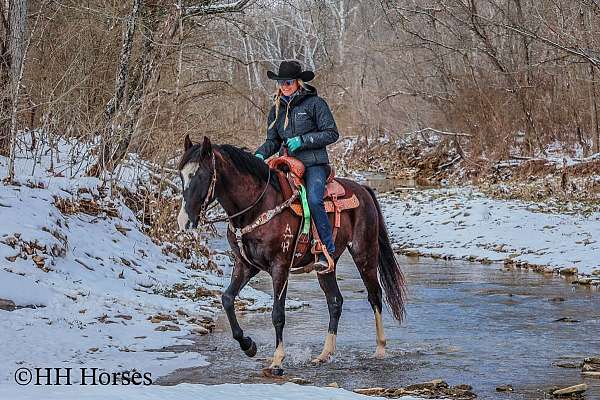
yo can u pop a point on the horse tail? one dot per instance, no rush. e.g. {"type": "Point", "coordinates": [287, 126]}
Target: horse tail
{"type": "Point", "coordinates": [390, 274]}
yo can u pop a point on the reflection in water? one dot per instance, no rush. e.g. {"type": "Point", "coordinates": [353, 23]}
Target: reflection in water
{"type": "Point", "coordinates": [466, 323]}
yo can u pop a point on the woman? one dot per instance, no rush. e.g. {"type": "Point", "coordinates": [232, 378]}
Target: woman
{"type": "Point", "coordinates": [302, 121]}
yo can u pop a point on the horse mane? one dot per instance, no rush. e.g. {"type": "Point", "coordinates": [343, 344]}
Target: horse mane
{"type": "Point", "coordinates": [242, 159]}
{"type": "Point", "coordinates": [249, 163]}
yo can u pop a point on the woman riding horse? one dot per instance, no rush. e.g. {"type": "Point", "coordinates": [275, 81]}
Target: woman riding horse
{"type": "Point", "coordinates": [262, 223]}
{"type": "Point", "coordinates": [306, 127]}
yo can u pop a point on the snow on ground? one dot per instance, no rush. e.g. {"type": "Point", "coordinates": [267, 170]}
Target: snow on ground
{"type": "Point", "coordinates": [463, 223]}
{"type": "Point", "coordinates": [287, 391]}
{"type": "Point", "coordinates": [85, 285]}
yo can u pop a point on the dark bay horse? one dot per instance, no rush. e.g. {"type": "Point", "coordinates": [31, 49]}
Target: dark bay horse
{"type": "Point", "coordinates": [246, 188]}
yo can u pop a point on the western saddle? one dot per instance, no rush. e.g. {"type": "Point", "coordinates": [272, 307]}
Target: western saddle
{"type": "Point", "coordinates": [337, 198]}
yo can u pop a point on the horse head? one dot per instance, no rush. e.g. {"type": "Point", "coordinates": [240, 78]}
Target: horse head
{"type": "Point", "coordinates": [198, 175]}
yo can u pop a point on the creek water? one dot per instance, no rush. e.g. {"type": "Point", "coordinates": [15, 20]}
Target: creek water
{"type": "Point", "coordinates": [482, 325]}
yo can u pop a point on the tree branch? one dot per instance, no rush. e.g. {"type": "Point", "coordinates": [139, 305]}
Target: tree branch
{"type": "Point", "coordinates": [413, 94]}
{"type": "Point", "coordinates": [455, 134]}
{"type": "Point", "coordinates": [208, 9]}
{"type": "Point", "coordinates": [527, 33]}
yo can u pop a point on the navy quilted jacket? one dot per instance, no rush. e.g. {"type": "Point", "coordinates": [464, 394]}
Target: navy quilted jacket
{"type": "Point", "coordinates": [310, 118]}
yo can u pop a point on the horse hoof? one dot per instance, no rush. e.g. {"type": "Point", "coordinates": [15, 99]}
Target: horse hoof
{"type": "Point", "coordinates": [319, 361]}
{"type": "Point", "coordinates": [379, 355]}
{"type": "Point", "coordinates": [277, 371]}
{"type": "Point", "coordinates": [251, 352]}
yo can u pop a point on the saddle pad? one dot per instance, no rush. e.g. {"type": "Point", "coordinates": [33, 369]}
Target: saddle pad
{"type": "Point", "coordinates": [342, 204]}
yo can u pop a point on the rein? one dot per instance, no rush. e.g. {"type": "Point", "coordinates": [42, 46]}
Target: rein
{"type": "Point", "coordinates": [211, 191]}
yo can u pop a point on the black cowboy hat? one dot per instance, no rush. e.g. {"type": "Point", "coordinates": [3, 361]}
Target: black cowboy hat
{"type": "Point", "coordinates": [291, 70]}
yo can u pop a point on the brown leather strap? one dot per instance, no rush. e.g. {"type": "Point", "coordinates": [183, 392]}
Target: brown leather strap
{"type": "Point", "coordinates": [285, 185]}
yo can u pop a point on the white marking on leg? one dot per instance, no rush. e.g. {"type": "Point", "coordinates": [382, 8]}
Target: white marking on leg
{"type": "Point", "coordinates": [328, 349]}
{"type": "Point", "coordinates": [278, 356]}
{"type": "Point", "coordinates": [380, 351]}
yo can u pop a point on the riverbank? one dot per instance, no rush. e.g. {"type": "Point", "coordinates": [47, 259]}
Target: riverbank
{"type": "Point", "coordinates": [560, 175]}
{"type": "Point", "coordinates": [465, 224]}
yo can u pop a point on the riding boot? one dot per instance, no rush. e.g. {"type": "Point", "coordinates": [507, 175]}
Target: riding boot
{"type": "Point", "coordinates": [321, 264]}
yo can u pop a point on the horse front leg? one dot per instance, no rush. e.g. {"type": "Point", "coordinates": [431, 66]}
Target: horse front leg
{"type": "Point", "coordinates": [280, 278]}
{"type": "Point", "coordinates": [242, 273]}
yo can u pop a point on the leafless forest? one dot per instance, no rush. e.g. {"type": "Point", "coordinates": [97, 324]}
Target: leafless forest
{"type": "Point", "coordinates": [138, 75]}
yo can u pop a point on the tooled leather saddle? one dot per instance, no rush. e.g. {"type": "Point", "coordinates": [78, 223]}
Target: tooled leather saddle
{"type": "Point", "coordinates": [337, 198]}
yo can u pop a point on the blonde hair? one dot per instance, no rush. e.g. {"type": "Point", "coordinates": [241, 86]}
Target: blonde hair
{"type": "Point", "coordinates": [277, 103]}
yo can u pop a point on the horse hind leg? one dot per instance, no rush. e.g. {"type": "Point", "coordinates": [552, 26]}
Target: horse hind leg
{"type": "Point", "coordinates": [335, 301]}
{"type": "Point", "coordinates": [367, 267]}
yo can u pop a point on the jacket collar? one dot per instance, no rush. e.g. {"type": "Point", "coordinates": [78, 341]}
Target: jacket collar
{"type": "Point", "coordinates": [300, 95]}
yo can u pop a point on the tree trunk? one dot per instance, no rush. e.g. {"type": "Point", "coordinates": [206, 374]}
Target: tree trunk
{"type": "Point", "coordinates": [14, 19]}
{"type": "Point", "coordinates": [114, 133]}
{"type": "Point", "coordinates": [125, 109]}
{"type": "Point", "coordinates": [18, 49]}
{"type": "Point", "coordinates": [594, 113]}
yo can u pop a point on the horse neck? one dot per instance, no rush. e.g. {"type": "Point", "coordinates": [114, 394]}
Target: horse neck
{"type": "Point", "coordinates": [235, 191]}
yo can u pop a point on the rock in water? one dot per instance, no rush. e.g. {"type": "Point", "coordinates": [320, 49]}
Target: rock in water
{"type": "Point", "coordinates": [567, 364]}
{"type": "Point", "coordinates": [504, 388]}
{"type": "Point", "coordinates": [569, 271]}
{"type": "Point", "coordinates": [591, 364]}
{"type": "Point", "coordinates": [7, 305]}
{"type": "Point", "coordinates": [571, 390]}
{"type": "Point", "coordinates": [463, 386]}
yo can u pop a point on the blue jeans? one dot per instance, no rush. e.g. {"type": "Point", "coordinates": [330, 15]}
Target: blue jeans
{"type": "Point", "coordinates": [315, 178]}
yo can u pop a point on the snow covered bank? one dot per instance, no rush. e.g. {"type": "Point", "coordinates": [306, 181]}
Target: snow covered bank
{"type": "Point", "coordinates": [85, 285]}
{"type": "Point", "coordinates": [288, 391]}
{"type": "Point", "coordinates": [465, 224]}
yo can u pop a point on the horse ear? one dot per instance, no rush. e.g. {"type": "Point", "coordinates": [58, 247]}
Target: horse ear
{"type": "Point", "coordinates": [206, 147]}
{"type": "Point", "coordinates": [187, 143]}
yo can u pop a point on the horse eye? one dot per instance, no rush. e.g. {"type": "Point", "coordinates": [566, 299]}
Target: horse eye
{"type": "Point", "coordinates": [190, 176]}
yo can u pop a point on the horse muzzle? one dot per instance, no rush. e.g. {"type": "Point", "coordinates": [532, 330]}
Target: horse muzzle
{"type": "Point", "coordinates": [191, 225]}
{"type": "Point", "coordinates": [185, 222]}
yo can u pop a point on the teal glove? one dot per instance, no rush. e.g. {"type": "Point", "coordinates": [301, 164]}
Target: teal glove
{"type": "Point", "coordinates": [294, 143]}
{"type": "Point", "coordinates": [258, 155]}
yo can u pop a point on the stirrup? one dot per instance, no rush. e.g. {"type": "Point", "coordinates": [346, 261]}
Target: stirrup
{"type": "Point", "coordinates": [320, 265]}
{"type": "Point", "coordinates": [330, 263]}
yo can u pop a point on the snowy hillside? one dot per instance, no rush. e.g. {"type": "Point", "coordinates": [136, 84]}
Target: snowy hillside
{"type": "Point", "coordinates": [81, 284]}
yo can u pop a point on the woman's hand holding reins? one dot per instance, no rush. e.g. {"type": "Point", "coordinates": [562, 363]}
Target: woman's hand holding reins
{"type": "Point", "coordinates": [294, 143]}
